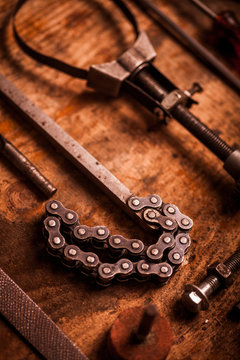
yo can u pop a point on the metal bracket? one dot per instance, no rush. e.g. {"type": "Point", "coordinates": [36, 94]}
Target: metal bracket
{"type": "Point", "coordinates": [108, 77]}
{"type": "Point", "coordinates": [173, 99]}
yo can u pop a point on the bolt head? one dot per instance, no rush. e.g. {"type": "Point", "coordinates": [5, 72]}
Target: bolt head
{"type": "Point", "coordinates": [194, 300]}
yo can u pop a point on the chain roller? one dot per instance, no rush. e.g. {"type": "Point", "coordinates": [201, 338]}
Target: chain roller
{"type": "Point", "coordinates": [71, 241]}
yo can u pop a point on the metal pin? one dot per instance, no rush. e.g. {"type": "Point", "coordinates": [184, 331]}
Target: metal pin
{"type": "Point", "coordinates": [52, 223]}
{"type": "Point", "coordinates": [167, 240]}
{"type": "Point", "coordinates": [135, 202]}
{"type": "Point", "coordinates": [56, 240]}
{"type": "Point", "coordinates": [135, 245]}
{"type": "Point", "coordinates": [154, 251]}
{"type": "Point", "coordinates": [117, 241]}
{"type": "Point", "coordinates": [26, 167]}
{"type": "Point", "coordinates": [69, 216]}
{"type": "Point", "coordinates": [72, 252]}
{"type": "Point", "coordinates": [169, 222]}
{"type": "Point", "coordinates": [145, 266]}
{"type": "Point", "coordinates": [101, 231]}
{"type": "Point", "coordinates": [90, 259]}
{"type": "Point", "coordinates": [81, 231]}
{"type": "Point", "coordinates": [171, 210]}
{"type": "Point", "coordinates": [146, 323]}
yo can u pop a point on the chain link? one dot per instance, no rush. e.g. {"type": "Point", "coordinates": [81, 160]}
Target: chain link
{"type": "Point", "coordinates": [71, 241]}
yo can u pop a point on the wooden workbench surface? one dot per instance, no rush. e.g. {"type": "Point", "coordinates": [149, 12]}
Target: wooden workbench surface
{"type": "Point", "coordinates": [167, 161]}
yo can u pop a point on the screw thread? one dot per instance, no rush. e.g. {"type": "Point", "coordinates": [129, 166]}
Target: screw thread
{"type": "Point", "coordinates": [202, 132]}
{"type": "Point", "coordinates": [213, 281]}
{"type": "Point", "coordinates": [233, 262]}
{"type": "Point", "coordinates": [209, 285]}
{"type": "Point", "coordinates": [184, 117]}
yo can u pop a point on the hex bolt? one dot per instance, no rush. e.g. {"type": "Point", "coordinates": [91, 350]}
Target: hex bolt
{"type": "Point", "coordinates": [196, 298]}
{"type": "Point", "coordinates": [223, 151]}
{"type": "Point", "coordinates": [146, 323]}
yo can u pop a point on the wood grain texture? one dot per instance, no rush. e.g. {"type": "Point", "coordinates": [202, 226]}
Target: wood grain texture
{"type": "Point", "coordinates": [167, 161]}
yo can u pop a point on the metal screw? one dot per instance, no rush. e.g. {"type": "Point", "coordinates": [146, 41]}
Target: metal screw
{"type": "Point", "coordinates": [196, 298]}
{"type": "Point", "coordinates": [146, 323]}
{"type": "Point", "coordinates": [196, 87]}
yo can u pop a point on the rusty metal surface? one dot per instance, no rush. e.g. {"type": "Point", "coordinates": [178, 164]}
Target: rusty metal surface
{"type": "Point", "coordinates": [115, 131]}
{"type": "Point", "coordinates": [121, 342]}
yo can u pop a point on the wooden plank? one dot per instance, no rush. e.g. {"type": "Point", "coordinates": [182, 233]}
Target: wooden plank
{"type": "Point", "coordinates": [167, 161]}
